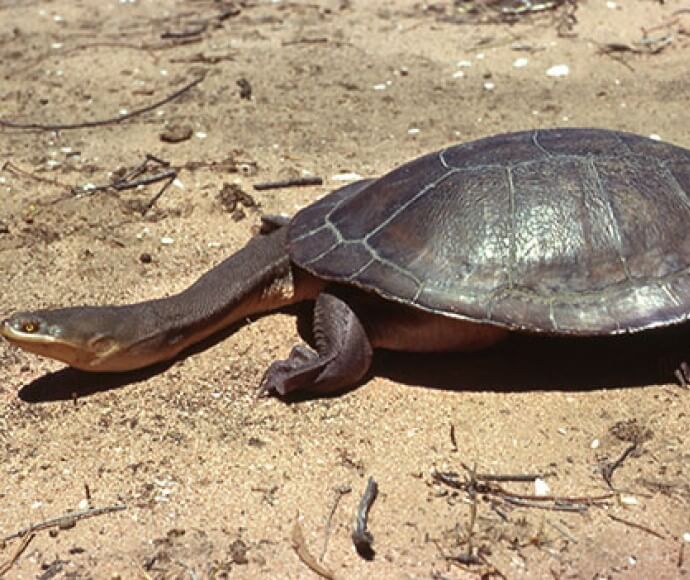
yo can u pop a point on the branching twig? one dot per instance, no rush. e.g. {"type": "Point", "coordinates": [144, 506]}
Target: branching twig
{"type": "Point", "coordinates": [111, 120]}
{"type": "Point", "coordinates": [608, 468]}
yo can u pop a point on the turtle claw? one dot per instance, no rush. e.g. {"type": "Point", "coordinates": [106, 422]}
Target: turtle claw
{"type": "Point", "coordinates": [682, 374]}
{"type": "Point", "coordinates": [296, 372]}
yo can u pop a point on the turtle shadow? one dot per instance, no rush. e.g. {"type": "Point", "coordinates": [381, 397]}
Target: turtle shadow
{"type": "Point", "coordinates": [70, 383]}
{"type": "Point", "coordinates": [537, 363]}
{"type": "Point", "coordinates": [521, 363]}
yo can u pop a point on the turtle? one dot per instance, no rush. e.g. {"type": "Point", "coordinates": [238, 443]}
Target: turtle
{"type": "Point", "coordinates": [564, 232]}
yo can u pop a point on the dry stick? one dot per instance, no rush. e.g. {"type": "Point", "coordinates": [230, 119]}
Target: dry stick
{"type": "Point", "coordinates": [608, 468]}
{"type": "Point", "coordinates": [555, 507]}
{"type": "Point", "coordinates": [12, 168]}
{"type": "Point", "coordinates": [295, 182]}
{"type": "Point", "coordinates": [66, 521]}
{"type": "Point", "coordinates": [502, 477]}
{"type": "Point", "coordinates": [340, 491]}
{"type": "Point", "coordinates": [361, 537]}
{"type": "Point", "coordinates": [636, 525]}
{"type": "Point", "coordinates": [118, 119]}
{"type": "Point", "coordinates": [300, 547]}
{"type": "Point", "coordinates": [469, 557]}
{"type": "Point", "coordinates": [5, 568]}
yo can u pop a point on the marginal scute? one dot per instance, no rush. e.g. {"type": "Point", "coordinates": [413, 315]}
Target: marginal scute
{"type": "Point", "coordinates": [567, 231]}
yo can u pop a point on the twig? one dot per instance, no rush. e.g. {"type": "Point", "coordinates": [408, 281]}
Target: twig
{"type": "Point", "coordinates": [502, 477]}
{"type": "Point", "coordinates": [453, 440]}
{"type": "Point", "coordinates": [111, 120]}
{"type": "Point", "coordinates": [5, 568]}
{"type": "Point", "coordinates": [637, 526]}
{"type": "Point", "coordinates": [556, 506]}
{"type": "Point", "coordinates": [361, 536]}
{"type": "Point", "coordinates": [565, 533]}
{"type": "Point", "coordinates": [608, 468]}
{"type": "Point", "coordinates": [12, 168]}
{"type": "Point", "coordinates": [66, 521]}
{"type": "Point", "coordinates": [340, 491]}
{"type": "Point", "coordinates": [295, 182]}
{"type": "Point", "coordinates": [303, 553]}
{"type": "Point", "coordinates": [200, 29]}
{"type": "Point", "coordinates": [129, 181]}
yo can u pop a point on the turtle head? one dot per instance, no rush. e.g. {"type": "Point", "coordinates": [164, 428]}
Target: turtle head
{"type": "Point", "coordinates": [87, 338]}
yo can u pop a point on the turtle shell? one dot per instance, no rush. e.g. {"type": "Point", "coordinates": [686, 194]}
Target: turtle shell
{"type": "Point", "coordinates": [566, 231]}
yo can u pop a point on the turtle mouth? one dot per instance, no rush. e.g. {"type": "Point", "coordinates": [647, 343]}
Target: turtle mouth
{"type": "Point", "coordinates": [37, 340]}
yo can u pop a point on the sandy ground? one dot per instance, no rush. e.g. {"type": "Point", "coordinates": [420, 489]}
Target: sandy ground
{"type": "Point", "coordinates": [213, 479]}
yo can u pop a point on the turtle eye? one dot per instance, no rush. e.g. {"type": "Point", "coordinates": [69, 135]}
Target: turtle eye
{"type": "Point", "coordinates": [29, 326]}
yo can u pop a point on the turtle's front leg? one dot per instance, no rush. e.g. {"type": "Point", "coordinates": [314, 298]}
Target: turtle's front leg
{"type": "Point", "coordinates": [342, 358]}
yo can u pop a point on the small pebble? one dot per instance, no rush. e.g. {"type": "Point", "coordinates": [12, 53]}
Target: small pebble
{"type": "Point", "coordinates": [123, 111]}
{"type": "Point", "coordinates": [413, 131]}
{"type": "Point", "coordinates": [541, 488]}
{"type": "Point", "coordinates": [166, 241]}
{"type": "Point", "coordinates": [558, 70]}
{"type": "Point", "coordinates": [84, 504]}
{"type": "Point", "coordinates": [686, 537]}
{"type": "Point", "coordinates": [489, 86]}
{"type": "Point", "coordinates": [629, 500]}
{"type": "Point", "coordinates": [458, 74]}
{"type": "Point", "coordinates": [464, 63]}
{"type": "Point", "coordinates": [346, 176]}
{"type": "Point", "coordinates": [200, 135]}
{"type": "Point", "coordinates": [655, 137]}
{"type": "Point", "coordinates": [520, 62]}
{"type": "Point", "coordinates": [595, 444]}
{"type": "Point", "coordinates": [145, 258]}
{"type": "Point", "coordinates": [380, 87]}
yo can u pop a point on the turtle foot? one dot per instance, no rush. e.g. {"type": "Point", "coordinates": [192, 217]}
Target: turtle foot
{"type": "Point", "coordinates": [299, 371]}
{"type": "Point", "coordinates": [682, 374]}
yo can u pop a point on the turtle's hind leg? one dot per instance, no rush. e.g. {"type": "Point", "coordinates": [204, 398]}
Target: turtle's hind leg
{"type": "Point", "coordinates": [342, 357]}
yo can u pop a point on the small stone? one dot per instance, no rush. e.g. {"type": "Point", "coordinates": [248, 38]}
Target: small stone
{"type": "Point", "coordinates": [176, 134]}
{"type": "Point", "coordinates": [520, 62]}
{"type": "Point", "coordinates": [167, 241]}
{"type": "Point", "coordinates": [145, 258]}
{"type": "Point", "coordinates": [595, 444]}
{"type": "Point", "coordinates": [238, 552]}
{"type": "Point", "coordinates": [558, 70]}
{"type": "Point", "coordinates": [686, 537]}
{"type": "Point", "coordinates": [349, 176]}
{"type": "Point", "coordinates": [541, 488]}
{"type": "Point", "coordinates": [629, 500]}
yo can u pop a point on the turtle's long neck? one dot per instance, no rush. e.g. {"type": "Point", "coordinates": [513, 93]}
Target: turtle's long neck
{"type": "Point", "coordinates": [258, 278]}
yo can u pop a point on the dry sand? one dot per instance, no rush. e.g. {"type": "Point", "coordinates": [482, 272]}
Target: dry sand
{"type": "Point", "coordinates": [214, 479]}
